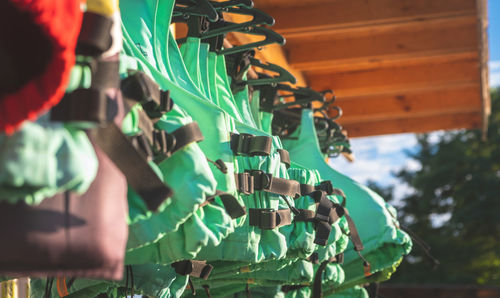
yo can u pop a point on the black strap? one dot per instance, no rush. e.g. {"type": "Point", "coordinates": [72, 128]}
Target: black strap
{"type": "Point", "coordinates": [268, 219]}
{"type": "Point", "coordinates": [90, 105]}
{"type": "Point", "coordinates": [140, 88]}
{"type": "Point", "coordinates": [252, 180]}
{"type": "Point", "coordinates": [325, 186]}
{"type": "Point", "coordinates": [314, 258]}
{"type": "Point", "coordinates": [285, 157]}
{"type": "Point", "coordinates": [105, 74]}
{"type": "Point", "coordinates": [317, 290]}
{"type": "Point", "coordinates": [305, 215]}
{"type": "Point", "coordinates": [231, 204]}
{"type": "Point", "coordinates": [248, 144]}
{"type": "Point", "coordinates": [95, 34]}
{"type": "Point", "coordinates": [132, 164]}
{"type": "Point", "coordinates": [193, 268]}
{"type": "Point", "coordinates": [162, 144]}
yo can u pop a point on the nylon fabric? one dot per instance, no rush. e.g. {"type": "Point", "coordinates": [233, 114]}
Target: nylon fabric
{"type": "Point", "coordinates": [384, 243]}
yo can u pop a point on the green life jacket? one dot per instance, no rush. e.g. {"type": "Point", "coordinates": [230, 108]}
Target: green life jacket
{"type": "Point", "coordinates": [260, 201]}
{"type": "Point", "coordinates": [44, 158]}
{"type": "Point", "coordinates": [384, 243]}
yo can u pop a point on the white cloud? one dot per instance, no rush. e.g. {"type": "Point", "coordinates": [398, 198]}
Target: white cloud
{"type": "Point", "coordinates": [495, 78]}
{"type": "Point", "coordinates": [494, 65]}
{"type": "Point", "coordinates": [377, 158]}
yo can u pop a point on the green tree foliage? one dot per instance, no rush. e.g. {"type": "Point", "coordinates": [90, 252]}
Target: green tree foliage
{"type": "Point", "coordinates": [455, 206]}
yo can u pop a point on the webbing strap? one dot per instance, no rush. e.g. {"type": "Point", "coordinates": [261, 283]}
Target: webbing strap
{"type": "Point", "coordinates": [305, 215]}
{"type": "Point", "coordinates": [317, 290]}
{"type": "Point", "coordinates": [105, 74]}
{"type": "Point", "coordinates": [268, 219]}
{"type": "Point", "coordinates": [248, 144]}
{"type": "Point", "coordinates": [95, 34]}
{"type": "Point", "coordinates": [140, 176]}
{"type": "Point", "coordinates": [231, 204]}
{"type": "Point", "coordinates": [285, 157]}
{"type": "Point", "coordinates": [140, 88]}
{"type": "Point", "coordinates": [90, 105]}
{"type": "Point", "coordinates": [161, 144]}
{"type": "Point", "coordinates": [193, 268]}
{"type": "Point", "coordinates": [253, 180]}
{"type": "Point", "coordinates": [325, 186]}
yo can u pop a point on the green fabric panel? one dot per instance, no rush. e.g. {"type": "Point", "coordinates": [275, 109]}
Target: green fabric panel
{"type": "Point", "coordinates": [190, 52]}
{"type": "Point", "coordinates": [242, 100]}
{"type": "Point", "coordinates": [255, 109]}
{"type": "Point", "coordinates": [44, 158]}
{"type": "Point", "coordinates": [206, 227]}
{"type": "Point", "coordinates": [266, 120]}
{"type": "Point", "coordinates": [203, 67]}
{"type": "Point", "coordinates": [375, 225]}
{"type": "Point", "coordinates": [212, 69]}
{"type": "Point", "coordinates": [225, 96]}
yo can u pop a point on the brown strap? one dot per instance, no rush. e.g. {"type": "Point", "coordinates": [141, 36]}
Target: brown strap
{"type": "Point", "coordinates": [268, 219]}
{"type": "Point", "coordinates": [95, 34]}
{"type": "Point", "coordinates": [131, 162]}
{"type": "Point", "coordinates": [305, 215]}
{"type": "Point", "coordinates": [140, 88]}
{"type": "Point", "coordinates": [161, 143]}
{"type": "Point", "coordinates": [193, 268]}
{"type": "Point", "coordinates": [90, 105]}
{"type": "Point", "coordinates": [253, 180]}
{"type": "Point", "coordinates": [284, 157]}
{"type": "Point", "coordinates": [325, 186]}
{"type": "Point", "coordinates": [231, 204]}
{"type": "Point", "coordinates": [317, 291]}
{"type": "Point", "coordinates": [248, 144]}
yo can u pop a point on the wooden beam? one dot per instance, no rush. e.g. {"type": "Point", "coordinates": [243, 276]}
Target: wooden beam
{"type": "Point", "coordinates": [467, 120]}
{"type": "Point", "coordinates": [418, 41]}
{"type": "Point", "coordinates": [329, 15]}
{"type": "Point", "coordinates": [418, 103]}
{"type": "Point", "coordinates": [483, 61]}
{"type": "Point", "coordinates": [398, 79]}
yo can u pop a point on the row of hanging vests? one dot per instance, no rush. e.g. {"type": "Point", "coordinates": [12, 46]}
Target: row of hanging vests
{"type": "Point", "coordinates": [165, 170]}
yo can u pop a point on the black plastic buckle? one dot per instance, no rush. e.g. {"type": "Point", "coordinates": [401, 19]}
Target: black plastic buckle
{"type": "Point", "coordinates": [326, 186]}
{"type": "Point", "coordinates": [265, 218]}
{"type": "Point", "coordinates": [240, 143]}
{"type": "Point", "coordinates": [261, 180]}
{"type": "Point", "coordinates": [163, 142]}
{"type": "Point", "coordinates": [140, 142]}
{"type": "Point", "coordinates": [245, 183]}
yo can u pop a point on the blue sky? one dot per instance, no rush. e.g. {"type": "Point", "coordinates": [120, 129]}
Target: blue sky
{"type": "Point", "coordinates": [378, 157]}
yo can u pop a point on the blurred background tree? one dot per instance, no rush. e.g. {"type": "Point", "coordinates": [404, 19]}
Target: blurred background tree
{"type": "Point", "coordinates": [455, 206]}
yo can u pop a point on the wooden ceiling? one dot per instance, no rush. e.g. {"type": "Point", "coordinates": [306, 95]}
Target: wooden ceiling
{"type": "Point", "coordinates": [396, 66]}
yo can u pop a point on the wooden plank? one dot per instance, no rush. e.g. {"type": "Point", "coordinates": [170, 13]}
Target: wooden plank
{"type": "Point", "coordinates": [308, 17]}
{"type": "Point", "coordinates": [419, 103]}
{"type": "Point", "coordinates": [398, 79]}
{"type": "Point", "coordinates": [467, 120]}
{"type": "Point", "coordinates": [483, 60]}
{"type": "Point", "coordinates": [419, 40]}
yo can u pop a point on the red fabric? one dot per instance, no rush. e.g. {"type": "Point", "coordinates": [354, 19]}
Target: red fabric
{"type": "Point", "coordinates": [60, 20]}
